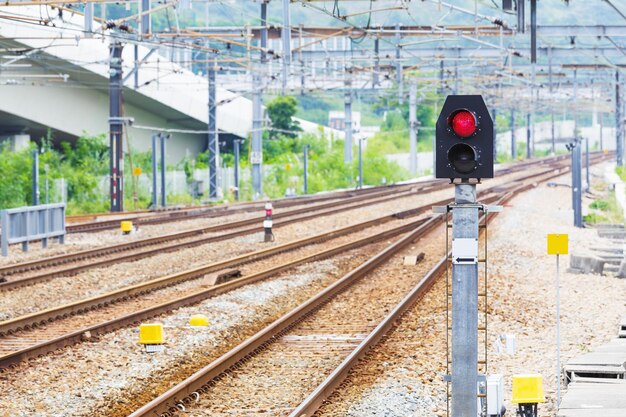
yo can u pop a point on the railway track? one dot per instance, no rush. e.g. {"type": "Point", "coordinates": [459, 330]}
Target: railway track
{"type": "Point", "coordinates": [291, 356]}
{"type": "Point", "coordinates": [76, 224]}
{"type": "Point", "coordinates": [126, 252]}
{"type": "Point", "coordinates": [313, 347]}
{"type": "Point", "coordinates": [31, 335]}
{"type": "Point", "coordinates": [39, 333]}
{"type": "Point", "coordinates": [158, 217]}
{"type": "Point", "coordinates": [51, 267]}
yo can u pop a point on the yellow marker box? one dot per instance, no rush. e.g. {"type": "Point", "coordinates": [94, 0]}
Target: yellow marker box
{"type": "Point", "coordinates": [557, 244]}
{"type": "Point", "coordinates": [126, 226]}
{"type": "Point", "coordinates": [151, 334]}
{"type": "Point", "coordinates": [198, 320]}
{"type": "Point", "coordinates": [528, 389]}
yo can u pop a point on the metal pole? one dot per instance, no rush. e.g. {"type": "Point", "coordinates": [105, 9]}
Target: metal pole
{"type": "Point", "coordinates": [286, 35]}
{"type": "Point", "coordinates": [456, 77]}
{"type": "Point", "coordinates": [375, 81]}
{"type": "Point", "coordinates": [360, 163]}
{"type": "Point", "coordinates": [116, 155]}
{"type": "Point", "coordinates": [163, 198]}
{"type": "Point", "coordinates": [618, 122]}
{"type": "Point", "coordinates": [46, 169]}
{"type": "Point", "coordinates": [155, 137]}
{"type": "Point", "coordinates": [577, 185]}
{"type": "Point", "coordinates": [550, 87]}
{"type": "Point", "coordinates": [601, 122]}
{"type": "Point", "coordinates": [398, 65]}
{"type": "Point", "coordinates": [575, 101]}
{"type": "Point", "coordinates": [35, 179]}
{"type": "Point", "coordinates": [558, 335]}
{"type": "Point", "coordinates": [136, 65]}
{"type": "Point", "coordinates": [256, 157]}
{"type": "Point", "coordinates": [146, 19]}
{"type": "Point", "coordinates": [212, 139]}
{"type": "Point", "coordinates": [347, 147]}
{"type": "Point", "coordinates": [521, 16]}
{"type": "Point", "coordinates": [533, 31]}
{"type": "Point", "coordinates": [306, 169]}
{"type": "Point", "coordinates": [441, 89]}
{"type": "Point", "coordinates": [464, 304]}
{"type": "Point", "coordinates": [263, 29]}
{"type": "Point", "coordinates": [528, 149]}
{"type": "Point", "coordinates": [236, 145]}
{"type": "Point", "coordinates": [587, 165]}
{"type": "Point", "coordinates": [553, 138]}
{"type": "Point", "coordinates": [89, 20]}
{"type": "Point", "coordinates": [495, 135]}
{"type": "Point", "coordinates": [413, 129]}
{"type": "Point", "coordinates": [513, 145]}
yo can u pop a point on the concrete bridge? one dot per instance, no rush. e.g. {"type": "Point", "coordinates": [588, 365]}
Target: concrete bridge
{"type": "Point", "coordinates": [63, 85]}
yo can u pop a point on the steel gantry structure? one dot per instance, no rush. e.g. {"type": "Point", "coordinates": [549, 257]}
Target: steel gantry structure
{"type": "Point", "coordinates": [508, 54]}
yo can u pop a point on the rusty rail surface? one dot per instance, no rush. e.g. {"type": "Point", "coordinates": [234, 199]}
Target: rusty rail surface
{"type": "Point", "coordinates": [216, 211]}
{"type": "Point", "coordinates": [253, 226]}
{"type": "Point", "coordinates": [31, 321]}
{"type": "Point", "coordinates": [186, 393]}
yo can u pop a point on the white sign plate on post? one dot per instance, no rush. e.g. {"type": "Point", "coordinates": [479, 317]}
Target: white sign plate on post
{"type": "Point", "coordinates": [464, 251]}
{"type": "Point", "coordinates": [256, 157]}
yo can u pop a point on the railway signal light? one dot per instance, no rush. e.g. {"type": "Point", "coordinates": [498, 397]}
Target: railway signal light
{"type": "Point", "coordinates": [464, 139]}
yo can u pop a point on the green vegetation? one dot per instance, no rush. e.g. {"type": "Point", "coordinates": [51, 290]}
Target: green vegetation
{"type": "Point", "coordinates": [327, 171]}
{"type": "Point", "coordinates": [281, 111]}
{"type": "Point", "coordinates": [84, 165]}
{"type": "Point", "coordinates": [605, 210]}
{"type": "Point", "coordinates": [81, 166]}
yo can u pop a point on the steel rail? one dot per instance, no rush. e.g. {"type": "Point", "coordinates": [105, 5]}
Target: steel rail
{"type": "Point", "coordinates": [107, 250]}
{"type": "Point", "coordinates": [333, 381]}
{"type": "Point", "coordinates": [310, 405]}
{"type": "Point", "coordinates": [78, 256]}
{"type": "Point", "coordinates": [279, 202]}
{"type": "Point", "coordinates": [77, 336]}
{"type": "Point", "coordinates": [181, 215]}
{"type": "Point", "coordinates": [41, 318]}
{"type": "Point", "coordinates": [213, 211]}
{"type": "Point", "coordinates": [166, 404]}
{"type": "Point", "coordinates": [255, 223]}
{"type": "Point", "coordinates": [186, 393]}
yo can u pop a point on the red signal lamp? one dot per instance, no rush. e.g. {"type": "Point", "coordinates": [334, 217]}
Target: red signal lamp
{"type": "Point", "coordinates": [463, 123]}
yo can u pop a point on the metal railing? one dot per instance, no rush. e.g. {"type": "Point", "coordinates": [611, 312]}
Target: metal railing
{"type": "Point", "coordinates": [26, 224]}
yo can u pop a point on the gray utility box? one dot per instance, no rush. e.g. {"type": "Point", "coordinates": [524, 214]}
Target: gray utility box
{"type": "Point", "coordinates": [26, 224]}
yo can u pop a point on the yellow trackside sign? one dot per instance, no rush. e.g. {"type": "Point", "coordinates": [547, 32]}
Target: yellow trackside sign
{"type": "Point", "coordinates": [557, 244]}
{"type": "Point", "coordinates": [137, 171]}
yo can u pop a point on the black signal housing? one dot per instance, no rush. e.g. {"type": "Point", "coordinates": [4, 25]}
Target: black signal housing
{"type": "Point", "coordinates": [464, 147]}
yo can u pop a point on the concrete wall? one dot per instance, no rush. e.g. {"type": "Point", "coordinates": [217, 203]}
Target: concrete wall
{"type": "Point", "coordinates": [79, 111]}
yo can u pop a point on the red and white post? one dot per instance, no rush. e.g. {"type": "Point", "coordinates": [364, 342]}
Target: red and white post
{"type": "Point", "coordinates": [267, 223]}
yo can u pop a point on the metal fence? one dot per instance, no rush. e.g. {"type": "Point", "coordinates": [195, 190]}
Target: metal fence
{"type": "Point", "coordinates": [26, 224]}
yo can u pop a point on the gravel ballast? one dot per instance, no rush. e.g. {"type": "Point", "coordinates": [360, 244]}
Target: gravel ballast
{"type": "Point", "coordinates": [114, 368]}
{"type": "Point", "coordinates": [522, 302]}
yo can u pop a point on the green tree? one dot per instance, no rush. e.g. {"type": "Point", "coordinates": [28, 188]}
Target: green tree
{"type": "Point", "coordinates": [281, 111]}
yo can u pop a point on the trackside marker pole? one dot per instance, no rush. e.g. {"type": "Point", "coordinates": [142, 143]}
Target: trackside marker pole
{"type": "Point", "coordinates": [558, 245]}
{"type": "Point", "coordinates": [558, 335]}
{"type": "Point", "coordinates": [267, 223]}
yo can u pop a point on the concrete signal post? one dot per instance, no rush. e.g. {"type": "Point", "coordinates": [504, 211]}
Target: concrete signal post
{"type": "Point", "coordinates": [464, 155]}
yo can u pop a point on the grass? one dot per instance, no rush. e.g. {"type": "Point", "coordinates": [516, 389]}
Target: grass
{"type": "Point", "coordinates": [605, 210]}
